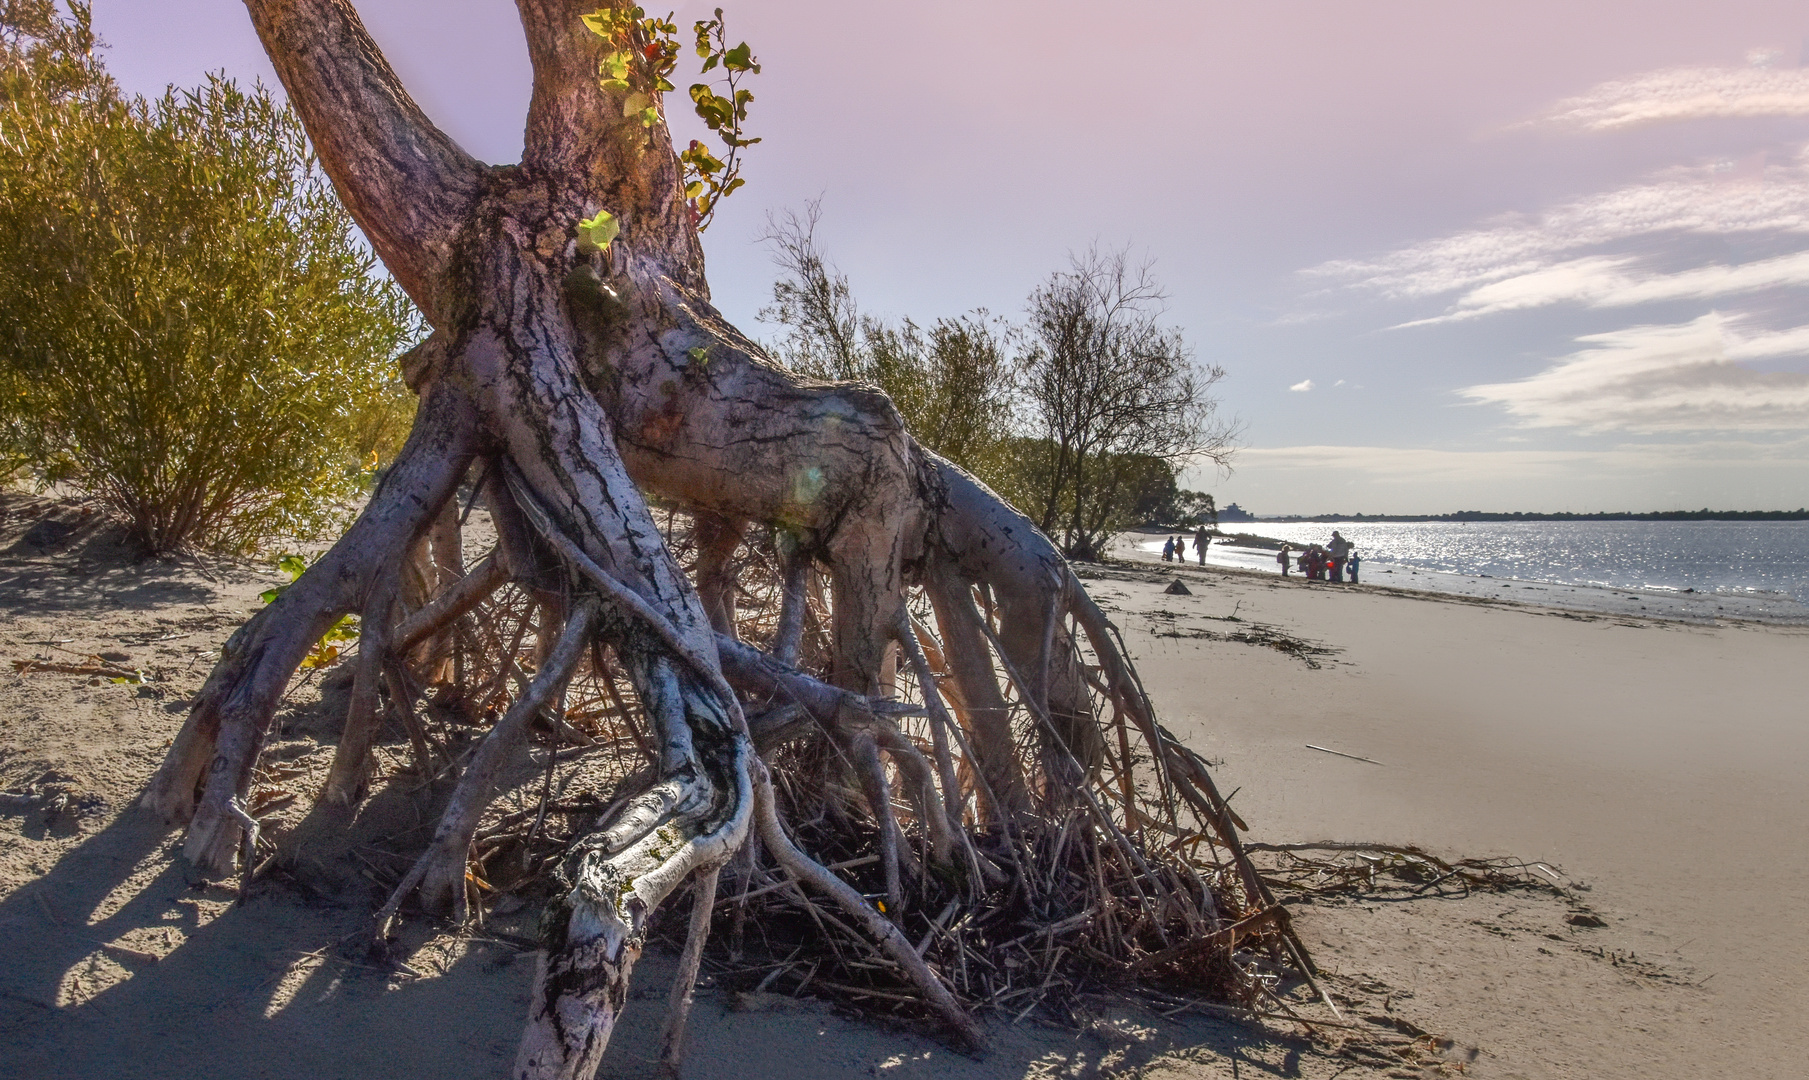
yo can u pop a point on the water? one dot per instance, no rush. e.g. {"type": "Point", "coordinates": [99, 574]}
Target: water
{"type": "Point", "coordinates": [1763, 563]}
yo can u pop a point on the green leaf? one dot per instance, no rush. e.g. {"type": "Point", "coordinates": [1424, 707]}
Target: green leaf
{"type": "Point", "coordinates": [633, 104]}
{"type": "Point", "coordinates": [738, 58]}
{"type": "Point", "coordinates": [650, 116]}
{"type": "Point", "coordinates": [595, 234]}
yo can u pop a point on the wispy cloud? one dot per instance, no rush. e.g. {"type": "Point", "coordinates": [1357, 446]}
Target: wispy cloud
{"type": "Point", "coordinates": [1672, 378]}
{"type": "Point", "coordinates": [1731, 473]}
{"type": "Point", "coordinates": [1612, 282]}
{"type": "Point", "coordinates": [1302, 386]}
{"type": "Point", "coordinates": [1412, 465]}
{"type": "Point", "coordinates": [1698, 200]}
{"type": "Point", "coordinates": [1685, 94]}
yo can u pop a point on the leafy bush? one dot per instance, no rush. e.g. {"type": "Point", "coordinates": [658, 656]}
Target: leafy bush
{"type": "Point", "coordinates": [189, 327]}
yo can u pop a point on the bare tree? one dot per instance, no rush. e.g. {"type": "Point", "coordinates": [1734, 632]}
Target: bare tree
{"type": "Point", "coordinates": [1110, 388]}
{"type": "Point", "coordinates": [575, 375]}
{"type": "Point", "coordinates": [812, 300]}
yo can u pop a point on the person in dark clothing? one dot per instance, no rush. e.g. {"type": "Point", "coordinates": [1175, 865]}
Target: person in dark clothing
{"type": "Point", "coordinates": [1340, 550]}
{"type": "Point", "coordinates": [1201, 541]}
{"type": "Point", "coordinates": [1168, 549]}
{"type": "Point", "coordinates": [1283, 560]}
{"type": "Point", "coordinates": [1355, 563]}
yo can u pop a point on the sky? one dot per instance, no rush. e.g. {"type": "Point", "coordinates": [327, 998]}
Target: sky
{"type": "Point", "coordinates": [1540, 256]}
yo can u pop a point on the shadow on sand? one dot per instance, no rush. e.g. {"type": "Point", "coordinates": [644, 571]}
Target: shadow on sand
{"type": "Point", "coordinates": [266, 989]}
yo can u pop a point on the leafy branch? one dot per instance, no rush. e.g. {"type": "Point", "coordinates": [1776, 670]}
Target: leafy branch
{"type": "Point", "coordinates": [642, 55]}
{"type": "Point", "coordinates": [643, 51]}
{"type": "Point", "coordinates": [709, 179]}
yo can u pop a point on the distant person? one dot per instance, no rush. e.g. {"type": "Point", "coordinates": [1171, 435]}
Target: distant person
{"type": "Point", "coordinates": [1201, 541]}
{"type": "Point", "coordinates": [1340, 551]}
{"type": "Point", "coordinates": [1168, 549]}
{"type": "Point", "coordinates": [1283, 560]}
{"type": "Point", "coordinates": [1355, 563]}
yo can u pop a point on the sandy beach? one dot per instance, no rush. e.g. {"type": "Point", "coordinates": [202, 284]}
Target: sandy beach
{"type": "Point", "coordinates": [1659, 764]}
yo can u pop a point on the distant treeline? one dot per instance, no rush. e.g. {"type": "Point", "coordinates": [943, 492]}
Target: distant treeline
{"type": "Point", "coordinates": [1799, 514]}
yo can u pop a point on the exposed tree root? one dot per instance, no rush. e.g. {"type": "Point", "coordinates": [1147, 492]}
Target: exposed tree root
{"type": "Point", "coordinates": [1010, 823]}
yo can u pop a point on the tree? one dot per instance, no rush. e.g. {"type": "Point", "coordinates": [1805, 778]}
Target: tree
{"type": "Point", "coordinates": [191, 330]}
{"type": "Point", "coordinates": [46, 55]}
{"type": "Point", "coordinates": [812, 301]}
{"type": "Point", "coordinates": [1194, 508]}
{"type": "Point", "coordinates": [1110, 388]}
{"type": "Point", "coordinates": [576, 361]}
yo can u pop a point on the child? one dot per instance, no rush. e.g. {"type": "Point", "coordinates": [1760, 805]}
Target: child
{"type": "Point", "coordinates": [1283, 560]}
{"type": "Point", "coordinates": [1168, 549]}
{"type": "Point", "coordinates": [1356, 561]}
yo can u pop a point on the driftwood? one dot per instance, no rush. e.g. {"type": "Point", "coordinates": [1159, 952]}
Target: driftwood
{"type": "Point", "coordinates": [1334, 866]}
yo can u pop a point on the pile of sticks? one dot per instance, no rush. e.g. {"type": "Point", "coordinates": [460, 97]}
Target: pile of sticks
{"type": "Point", "coordinates": [1126, 871]}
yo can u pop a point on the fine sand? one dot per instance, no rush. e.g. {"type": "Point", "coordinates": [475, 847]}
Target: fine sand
{"type": "Point", "coordinates": [1660, 765]}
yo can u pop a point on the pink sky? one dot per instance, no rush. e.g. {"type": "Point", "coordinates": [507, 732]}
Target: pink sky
{"type": "Point", "coordinates": [1284, 164]}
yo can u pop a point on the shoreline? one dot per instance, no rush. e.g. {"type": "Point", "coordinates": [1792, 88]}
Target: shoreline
{"type": "Point", "coordinates": [1702, 608]}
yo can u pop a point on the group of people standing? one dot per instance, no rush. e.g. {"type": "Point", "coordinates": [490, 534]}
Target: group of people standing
{"type": "Point", "coordinates": [1175, 547]}
{"type": "Point", "coordinates": [1328, 563]}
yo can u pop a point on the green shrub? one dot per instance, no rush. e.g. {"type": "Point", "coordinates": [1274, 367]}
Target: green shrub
{"type": "Point", "coordinates": [189, 327]}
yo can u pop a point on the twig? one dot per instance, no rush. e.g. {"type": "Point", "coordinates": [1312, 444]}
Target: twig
{"type": "Point", "coordinates": [1341, 754]}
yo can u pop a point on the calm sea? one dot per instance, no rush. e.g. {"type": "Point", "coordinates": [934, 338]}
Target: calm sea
{"type": "Point", "coordinates": [1729, 557]}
